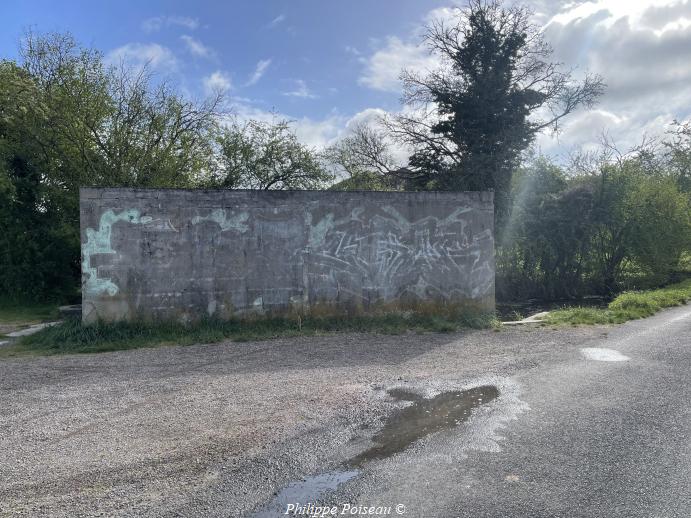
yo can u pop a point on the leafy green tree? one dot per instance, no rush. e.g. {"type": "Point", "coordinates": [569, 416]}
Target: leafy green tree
{"type": "Point", "coordinates": [363, 157]}
{"type": "Point", "coordinates": [678, 148]}
{"type": "Point", "coordinates": [545, 248]}
{"type": "Point", "coordinates": [118, 125]}
{"type": "Point", "coordinates": [639, 220]}
{"type": "Point", "coordinates": [67, 119]}
{"type": "Point", "coordinates": [617, 226]}
{"type": "Point", "coordinates": [266, 155]}
{"type": "Point", "coordinates": [496, 89]}
{"type": "Point", "coordinates": [37, 237]}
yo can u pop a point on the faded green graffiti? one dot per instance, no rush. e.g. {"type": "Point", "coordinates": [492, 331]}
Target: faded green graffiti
{"type": "Point", "coordinates": [98, 242]}
{"type": "Point", "coordinates": [236, 222]}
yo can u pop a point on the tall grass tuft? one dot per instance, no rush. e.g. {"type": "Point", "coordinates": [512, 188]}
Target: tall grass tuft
{"type": "Point", "coordinates": [627, 306]}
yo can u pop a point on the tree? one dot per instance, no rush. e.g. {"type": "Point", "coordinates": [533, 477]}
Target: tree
{"type": "Point", "coordinates": [118, 125]}
{"type": "Point", "coordinates": [266, 155]}
{"type": "Point", "coordinates": [363, 157]}
{"type": "Point", "coordinates": [39, 239]}
{"type": "Point", "coordinates": [545, 248]}
{"type": "Point", "coordinates": [611, 225]}
{"type": "Point", "coordinates": [495, 90]}
{"type": "Point", "coordinates": [679, 154]}
{"type": "Point", "coordinates": [67, 119]}
{"type": "Point", "coordinates": [639, 219]}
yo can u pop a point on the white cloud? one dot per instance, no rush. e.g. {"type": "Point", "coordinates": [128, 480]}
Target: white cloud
{"type": "Point", "coordinates": [259, 71]}
{"type": "Point", "coordinates": [141, 54]}
{"type": "Point", "coordinates": [276, 21]}
{"type": "Point", "coordinates": [383, 68]}
{"type": "Point", "coordinates": [301, 91]}
{"type": "Point", "coordinates": [218, 81]}
{"type": "Point", "coordinates": [159, 22]}
{"type": "Point", "coordinates": [643, 51]}
{"type": "Point", "coordinates": [315, 133]}
{"type": "Point", "coordinates": [443, 14]}
{"type": "Point", "coordinates": [319, 134]}
{"type": "Point", "coordinates": [196, 47]}
{"type": "Point", "coordinates": [635, 11]}
{"type": "Point", "coordinates": [641, 48]}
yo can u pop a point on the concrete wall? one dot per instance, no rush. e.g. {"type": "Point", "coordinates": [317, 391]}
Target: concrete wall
{"type": "Point", "coordinates": [185, 254]}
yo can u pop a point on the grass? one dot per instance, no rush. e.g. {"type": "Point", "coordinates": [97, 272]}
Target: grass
{"type": "Point", "coordinates": [12, 313]}
{"type": "Point", "coordinates": [627, 306]}
{"type": "Point", "coordinates": [73, 337]}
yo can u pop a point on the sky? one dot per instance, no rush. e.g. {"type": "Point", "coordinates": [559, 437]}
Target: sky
{"type": "Point", "coordinates": [327, 65]}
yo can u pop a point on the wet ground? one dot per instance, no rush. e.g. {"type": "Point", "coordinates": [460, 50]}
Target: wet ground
{"type": "Point", "coordinates": [402, 428]}
{"type": "Point", "coordinates": [308, 490]}
{"type": "Point", "coordinates": [421, 418]}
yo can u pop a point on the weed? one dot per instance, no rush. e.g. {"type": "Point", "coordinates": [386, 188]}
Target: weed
{"type": "Point", "coordinates": [627, 306]}
{"type": "Point", "coordinates": [72, 336]}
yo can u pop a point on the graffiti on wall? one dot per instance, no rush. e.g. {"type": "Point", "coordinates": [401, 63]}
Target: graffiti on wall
{"type": "Point", "coordinates": [236, 252]}
{"type": "Point", "coordinates": [384, 251]}
{"type": "Point", "coordinates": [98, 241]}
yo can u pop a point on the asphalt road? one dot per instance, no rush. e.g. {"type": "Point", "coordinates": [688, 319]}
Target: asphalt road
{"type": "Point", "coordinates": [219, 430]}
{"type": "Point", "coordinates": [601, 438]}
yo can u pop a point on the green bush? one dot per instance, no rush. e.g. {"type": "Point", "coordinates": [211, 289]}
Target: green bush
{"type": "Point", "coordinates": [620, 226]}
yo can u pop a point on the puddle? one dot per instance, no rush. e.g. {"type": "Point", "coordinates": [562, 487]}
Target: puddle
{"type": "Point", "coordinates": [603, 355]}
{"type": "Point", "coordinates": [402, 428]}
{"type": "Point", "coordinates": [304, 492]}
{"type": "Point", "coordinates": [423, 417]}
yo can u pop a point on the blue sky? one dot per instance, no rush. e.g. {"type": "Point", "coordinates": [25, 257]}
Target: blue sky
{"type": "Point", "coordinates": [328, 64]}
{"type": "Point", "coordinates": [310, 50]}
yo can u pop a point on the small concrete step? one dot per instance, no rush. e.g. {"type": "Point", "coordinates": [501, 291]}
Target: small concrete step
{"type": "Point", "coordinates": [74, 310]}
{"type": "Point", "coordinates": [537, 318]}
{"type": "Point", "coordinates": [35, 328]}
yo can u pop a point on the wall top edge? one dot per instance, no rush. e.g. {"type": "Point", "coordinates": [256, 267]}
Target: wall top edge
{"type": "Point", "coordinates": [107, 192]}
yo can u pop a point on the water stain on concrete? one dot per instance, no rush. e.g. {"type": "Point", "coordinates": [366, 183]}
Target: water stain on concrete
{"type": "Point", "coordinates": [422, 418]}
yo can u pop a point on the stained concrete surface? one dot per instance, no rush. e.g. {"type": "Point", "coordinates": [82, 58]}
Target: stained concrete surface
{"type": "Point", "coordinates": [217, 430]}
{"type": "Point", "coordinates": [191, 254]}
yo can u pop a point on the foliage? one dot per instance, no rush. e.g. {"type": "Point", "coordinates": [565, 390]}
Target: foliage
{"type": "Point", "coordinates": [12, 312]}
{"type": "Point", "coordinates": [614, 227]}
{"type": "Point", "coordinates": [470, 120]}
{"type": "Point", "coordinates": [542, 247]}
{"type": "Point", "coordinates": [67, 119]}
{"type": "Point", "coordinates": [267, 155]}
{"type": "Point", "coordinates": [678, 156]}
{"type": "Point", "coordinates": [37, 220]}
{"type": "Point", "coordinates": [627, 306]}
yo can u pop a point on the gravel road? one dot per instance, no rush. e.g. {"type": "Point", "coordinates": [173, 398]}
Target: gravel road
{"type": "Point", "coordinates": [217, 430]}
